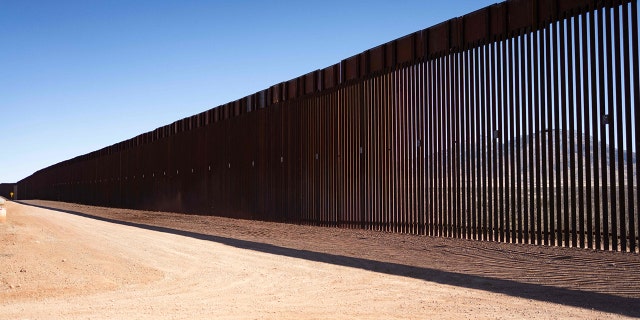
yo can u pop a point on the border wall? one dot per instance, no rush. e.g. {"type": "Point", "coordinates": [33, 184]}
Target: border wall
{"type": "Point", "coordinates": [9, 191]}
{"type": "Point", "coordinates": [514, 123]}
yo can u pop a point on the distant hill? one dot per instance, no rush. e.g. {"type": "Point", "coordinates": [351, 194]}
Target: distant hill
{"type": "Point", "coordinates": [510, 149]}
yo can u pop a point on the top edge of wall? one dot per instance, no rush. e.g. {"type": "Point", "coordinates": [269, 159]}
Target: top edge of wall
{"type": "Point", "coordinates": [493, 23]}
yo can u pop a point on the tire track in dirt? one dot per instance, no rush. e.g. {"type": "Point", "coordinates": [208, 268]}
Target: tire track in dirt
{"type": "Point", "coordinates": [187, 278]}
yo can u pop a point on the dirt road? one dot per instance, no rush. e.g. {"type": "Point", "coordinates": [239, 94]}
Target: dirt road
{"type": "Point", "coordinates": [56, 264]}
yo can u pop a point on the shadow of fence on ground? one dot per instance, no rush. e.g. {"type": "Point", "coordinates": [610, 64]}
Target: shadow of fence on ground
{"type": "Point", "coordinates": [625, 306]}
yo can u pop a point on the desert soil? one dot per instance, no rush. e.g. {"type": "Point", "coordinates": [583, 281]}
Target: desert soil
{"type": "Point", "coordinates": [68, 261]}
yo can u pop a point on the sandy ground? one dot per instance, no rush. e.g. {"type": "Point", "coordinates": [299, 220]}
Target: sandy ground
{"type": "Point", "coordinates": [91, 262]}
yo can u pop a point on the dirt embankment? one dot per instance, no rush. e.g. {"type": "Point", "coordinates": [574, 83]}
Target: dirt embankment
{"type": "Point", "coordinates": [139, 264]}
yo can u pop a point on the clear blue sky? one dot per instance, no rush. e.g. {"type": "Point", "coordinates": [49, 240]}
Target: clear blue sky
{"type": "Point", "coordinates": [77, 76]}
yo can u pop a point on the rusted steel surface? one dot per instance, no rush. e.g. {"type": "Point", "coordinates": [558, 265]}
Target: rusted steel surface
{"type": "Point", "coordinates": [514, 123]}
{"type": "Point", "coordinates": [9, 190]}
